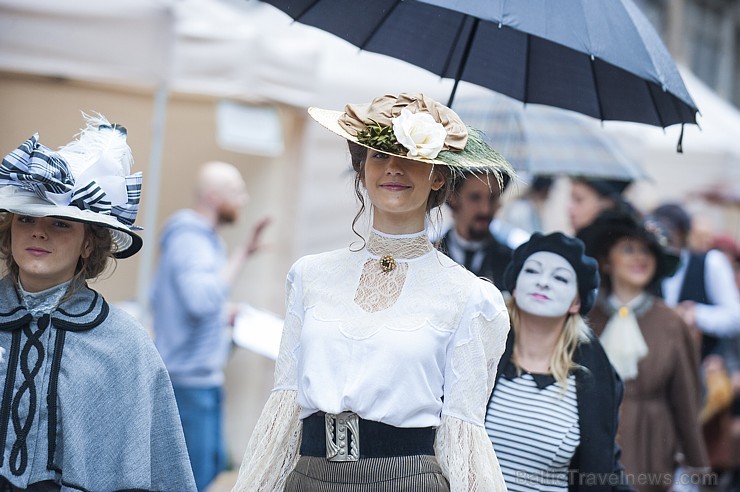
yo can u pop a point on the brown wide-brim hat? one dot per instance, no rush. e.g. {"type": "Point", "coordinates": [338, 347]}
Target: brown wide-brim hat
{"type": "Point", "coordinates": [376, 126]}
{"type": "Point", "coordinates": [614, 224]}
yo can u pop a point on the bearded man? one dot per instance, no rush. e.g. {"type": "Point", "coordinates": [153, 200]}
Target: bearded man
{"type": "Point", "coordinates": [189, 302]}
{"type": "Point", "coordinates": [474, 201]}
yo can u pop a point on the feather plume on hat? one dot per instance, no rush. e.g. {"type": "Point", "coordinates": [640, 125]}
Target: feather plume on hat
{"type": "Point", "coordinates": [94, 144]}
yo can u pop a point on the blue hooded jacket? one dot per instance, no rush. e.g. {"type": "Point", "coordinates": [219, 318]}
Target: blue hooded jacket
{"type": "Point", "coordinates": [188, 301]}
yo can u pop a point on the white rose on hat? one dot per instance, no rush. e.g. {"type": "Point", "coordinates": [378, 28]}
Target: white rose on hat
{"type": "Point", "coordinates": [419, 133]}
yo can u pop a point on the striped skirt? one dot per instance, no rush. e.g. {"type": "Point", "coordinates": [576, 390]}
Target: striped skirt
{"type": "Point", "coordinates": [392, 474]}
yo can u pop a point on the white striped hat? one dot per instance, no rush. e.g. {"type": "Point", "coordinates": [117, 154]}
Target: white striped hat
{"type": "Point", "coordinates": [87, 180]}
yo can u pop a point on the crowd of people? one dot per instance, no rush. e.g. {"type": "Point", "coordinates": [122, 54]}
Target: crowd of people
{"type": "Point", "coordinates": [602, 358]}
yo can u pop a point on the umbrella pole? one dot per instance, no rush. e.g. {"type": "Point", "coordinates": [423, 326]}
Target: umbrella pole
{"type": "Point", "coordinates": [464, 60]}
{"type": "Point", "coordinates": [452, 94]}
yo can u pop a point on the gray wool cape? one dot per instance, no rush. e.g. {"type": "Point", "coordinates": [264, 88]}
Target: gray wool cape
{"type": "Point", "coordinates": [86, 401]}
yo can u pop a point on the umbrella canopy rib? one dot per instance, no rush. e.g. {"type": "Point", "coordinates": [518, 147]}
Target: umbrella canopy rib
{"type": "Point", "coordinates": [453, 46]}
{"type": "Point", "coordinates": [596, 89]}
{"type": "Point", "coordinates": [527, 61]}
{"type": "Point", "coordinates": [464, 60]}
{"type": "Point", "coordinates": [310, 6]}
{"type": "Point", "coordinates": [655, 104]}
{"type": "Point", "coordinates": [363, 44]}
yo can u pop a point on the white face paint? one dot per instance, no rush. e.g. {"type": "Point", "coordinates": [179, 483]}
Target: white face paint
{"type": "Point", "coordinates": [546, 286]}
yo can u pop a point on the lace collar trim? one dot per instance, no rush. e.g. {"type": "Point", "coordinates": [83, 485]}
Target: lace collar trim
{"type": "Point", "coordinates": [43, 302]}
{"type": "Point", "coordinates": [399, 246]}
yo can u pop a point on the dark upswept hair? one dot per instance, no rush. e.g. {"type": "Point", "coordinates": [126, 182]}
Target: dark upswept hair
{"type": "Point", "coordinates": [88, 268]}
{"type": "Point", "coordinates": [358, 155]}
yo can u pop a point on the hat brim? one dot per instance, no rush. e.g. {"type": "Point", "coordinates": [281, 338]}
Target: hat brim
{"type": "Point", "coordinates": [490, 161]}
{"type": "Point", "coordinates": [329, 119]}
{"type": "Point", "coordinates": [125, 242]}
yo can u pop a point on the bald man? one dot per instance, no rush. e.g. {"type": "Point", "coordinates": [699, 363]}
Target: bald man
{"type": "Point", "coordinates": [189, 305]}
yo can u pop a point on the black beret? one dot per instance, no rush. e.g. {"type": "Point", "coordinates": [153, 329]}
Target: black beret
{"type": "Point", "coordinates": [570, 248]}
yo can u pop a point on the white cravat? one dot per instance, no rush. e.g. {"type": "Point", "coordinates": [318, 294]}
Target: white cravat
{"type": "Point", "coordinates": [622, 339]}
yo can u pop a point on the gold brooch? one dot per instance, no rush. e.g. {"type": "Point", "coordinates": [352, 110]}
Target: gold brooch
{"type": "Point", "coordinates": [387, 263]}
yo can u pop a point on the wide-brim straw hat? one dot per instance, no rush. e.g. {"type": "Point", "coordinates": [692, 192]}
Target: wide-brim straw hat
{"type": "Point", "coordinates": [86, 181]}
{"type": "Point", "coordinates": [460, 147]}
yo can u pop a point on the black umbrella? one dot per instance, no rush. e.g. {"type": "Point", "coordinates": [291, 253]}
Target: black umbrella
{"type": "Point", "coordinates": [601, 58]}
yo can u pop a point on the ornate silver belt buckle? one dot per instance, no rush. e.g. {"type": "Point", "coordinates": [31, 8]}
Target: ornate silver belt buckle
{"type": "Point", "coordinates": [342, 436]}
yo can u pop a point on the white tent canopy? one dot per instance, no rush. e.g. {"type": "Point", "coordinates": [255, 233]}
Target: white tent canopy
{"type": "Point", "coordinates": [251, 52]}
{"type": "Point", "coordinates": [117, 42]}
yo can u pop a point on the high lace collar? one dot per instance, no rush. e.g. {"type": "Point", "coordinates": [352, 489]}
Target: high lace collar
{"type": "Point", "coordinates": [398, 246]}
{"type": "Point", "coordinates": [45, 301]}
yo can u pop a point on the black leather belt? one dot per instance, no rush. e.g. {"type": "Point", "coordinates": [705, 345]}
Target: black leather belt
{"type": "Point", "coordinates": [374, 439]}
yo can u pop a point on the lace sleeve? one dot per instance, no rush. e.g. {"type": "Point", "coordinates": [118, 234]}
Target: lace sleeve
{"type": "Point", "coordinates": [466, 456]}
{"type": "Point", "coordinates": [463, 448]}
{"type": "Point", "coordinates": [272, 451]}
{"type": "Point", "coordinates": [286, 376]}
{"type": "Point", "coordinates": [472, 359]}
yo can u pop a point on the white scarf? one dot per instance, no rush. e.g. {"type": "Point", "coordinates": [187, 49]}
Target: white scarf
{"type": "Point", "coordinates": [622, 339]}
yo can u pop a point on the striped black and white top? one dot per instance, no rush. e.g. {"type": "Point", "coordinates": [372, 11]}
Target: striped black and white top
{"type": "Point", "coordinates": [534, 430]}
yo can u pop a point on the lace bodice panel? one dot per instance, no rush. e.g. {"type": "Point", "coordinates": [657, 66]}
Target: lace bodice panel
{"type": "Point", "coordinates": [380, 288]}
{"type": "Point", "coordinates": [402, 299]}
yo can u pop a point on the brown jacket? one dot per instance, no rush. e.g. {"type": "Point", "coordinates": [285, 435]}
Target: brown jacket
{"type": "Point", "coordinates": [659, 414]}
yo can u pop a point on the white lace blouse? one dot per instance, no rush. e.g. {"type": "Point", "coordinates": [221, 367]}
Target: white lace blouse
{"type": "Point", "coordinates": [387, 345]}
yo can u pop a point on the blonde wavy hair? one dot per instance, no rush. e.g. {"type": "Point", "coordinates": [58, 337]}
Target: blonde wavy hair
{"type": "Point", "coordinates": [575, 331]}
